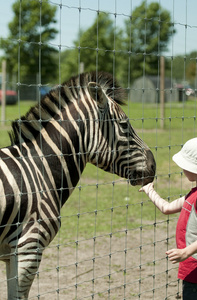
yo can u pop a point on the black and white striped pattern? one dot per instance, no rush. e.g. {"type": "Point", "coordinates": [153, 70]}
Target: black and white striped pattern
{"type": "Point", "coordinates": [77, 122]}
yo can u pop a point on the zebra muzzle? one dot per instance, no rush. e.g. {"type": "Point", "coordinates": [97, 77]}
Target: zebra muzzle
{"type": "Point", "coordinates": [145, 175]}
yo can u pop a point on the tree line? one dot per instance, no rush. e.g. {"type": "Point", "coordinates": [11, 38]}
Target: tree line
{"type": "Point", "coordinates": [128, 52]}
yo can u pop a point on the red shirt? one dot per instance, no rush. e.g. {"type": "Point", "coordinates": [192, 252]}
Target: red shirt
{"type": "Point", "coordinates": [186, 234]}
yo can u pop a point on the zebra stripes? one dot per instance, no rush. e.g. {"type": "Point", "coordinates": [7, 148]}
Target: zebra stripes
{"type": "Point", "coordinates": [75, 123]}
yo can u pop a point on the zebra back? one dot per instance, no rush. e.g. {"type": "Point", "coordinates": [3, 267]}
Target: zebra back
{"type": "Point", "coordinates": [28, 127]}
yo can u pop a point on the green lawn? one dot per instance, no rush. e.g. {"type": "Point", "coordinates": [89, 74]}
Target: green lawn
{"type": "Point", "coordinates": [104, 203]}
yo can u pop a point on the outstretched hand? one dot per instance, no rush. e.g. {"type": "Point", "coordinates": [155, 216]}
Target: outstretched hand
{"type": "Point", "coordinates": [147, 188]}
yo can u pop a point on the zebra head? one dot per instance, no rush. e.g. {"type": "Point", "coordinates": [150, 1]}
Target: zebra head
{"type": "Point", "coordinates": [116, 147]}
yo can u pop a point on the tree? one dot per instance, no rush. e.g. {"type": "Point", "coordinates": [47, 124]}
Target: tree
{"type": "Point", "coordinates": [128, 53]}
{"type": "Point", "coordinates": [27, 47]}
{"type": "Point", "coordinates": [183, 68]}
{"type": "Point", "coordinates": [147, 35]}
{"type": "Point", "coordinates": [95, 48]}
{"type": "Point", "coordinates": [191, 68]}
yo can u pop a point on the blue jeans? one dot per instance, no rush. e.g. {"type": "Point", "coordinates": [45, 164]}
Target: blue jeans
{"type": "Point", "coordinates": [189, 291]}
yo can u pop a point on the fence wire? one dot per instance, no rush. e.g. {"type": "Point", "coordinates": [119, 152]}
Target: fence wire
{"type": "Point", "coordinates": [112, 241]}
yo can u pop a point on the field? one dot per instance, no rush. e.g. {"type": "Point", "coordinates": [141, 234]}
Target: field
{"type": "Point", "coordinates": [112, 241]}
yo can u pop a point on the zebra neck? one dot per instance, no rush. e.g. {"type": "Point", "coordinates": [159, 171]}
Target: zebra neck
{"type": "Point", "coordinates": [63, 151]}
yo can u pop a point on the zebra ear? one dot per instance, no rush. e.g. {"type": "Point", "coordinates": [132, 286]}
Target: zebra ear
{"type": "Point", "coordinates": [97, 93]}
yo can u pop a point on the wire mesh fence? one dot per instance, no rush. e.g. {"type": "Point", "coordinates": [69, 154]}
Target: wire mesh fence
{"type": "Point", "coordinates": [113, 241]}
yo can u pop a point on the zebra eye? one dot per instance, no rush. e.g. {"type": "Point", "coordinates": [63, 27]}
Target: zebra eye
{"type": "Point", "coordinates": [124, 124]}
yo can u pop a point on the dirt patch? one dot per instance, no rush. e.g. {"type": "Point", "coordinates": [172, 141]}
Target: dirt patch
{"type": "Point", "coordinates": [125, 265]}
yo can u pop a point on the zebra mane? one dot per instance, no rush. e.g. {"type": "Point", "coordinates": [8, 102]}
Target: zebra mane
{"type": "Point", "coordinates": [28, 126]}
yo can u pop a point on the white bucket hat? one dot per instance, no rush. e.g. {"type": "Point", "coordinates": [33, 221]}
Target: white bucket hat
{"type": "Point", "coordinates": [186, 158]}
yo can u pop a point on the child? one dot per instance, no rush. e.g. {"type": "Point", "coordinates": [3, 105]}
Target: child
{"type": "Point", "coordinates": [186, 231]}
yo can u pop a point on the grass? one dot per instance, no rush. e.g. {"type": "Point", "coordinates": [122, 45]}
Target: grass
{"type": "Point", "coordinates": [103, 203]}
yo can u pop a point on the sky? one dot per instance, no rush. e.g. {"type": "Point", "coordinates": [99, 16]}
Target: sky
{"type": "Point", "coordinates": [70, 18]}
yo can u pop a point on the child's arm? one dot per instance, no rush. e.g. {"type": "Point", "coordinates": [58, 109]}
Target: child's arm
{"type": "Point", "coordinates": [164, 206]}
{"type": "Point", "coordinates": [177, 255]}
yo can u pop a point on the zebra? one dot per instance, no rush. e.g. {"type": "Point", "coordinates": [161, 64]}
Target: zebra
{"type": "Point", "coordinates": [78, 122]}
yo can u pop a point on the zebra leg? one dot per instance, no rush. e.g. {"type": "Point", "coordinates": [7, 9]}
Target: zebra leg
{"type": "Point", "coordinates": [21, 270]}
